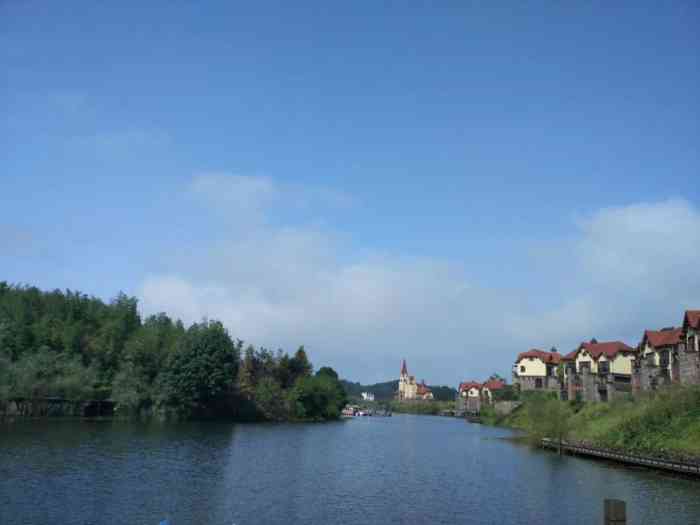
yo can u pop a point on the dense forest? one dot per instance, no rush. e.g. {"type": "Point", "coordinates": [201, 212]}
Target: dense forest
{"type": "Point", "coordinates": [385, 391]}
{"type": "Point", "coordinates": [70, 345]}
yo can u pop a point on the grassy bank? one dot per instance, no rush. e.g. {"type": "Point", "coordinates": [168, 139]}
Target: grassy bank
{"type": "Point", "coordinates": [421, 407]}
{"type": "Point", "coordinates": [665, 423]}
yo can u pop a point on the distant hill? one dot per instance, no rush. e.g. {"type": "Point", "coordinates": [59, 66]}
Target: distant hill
{"type": "Point", "coordinates": [385, 391]}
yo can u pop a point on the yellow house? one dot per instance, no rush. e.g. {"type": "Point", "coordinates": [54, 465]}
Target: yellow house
{"type": "Point", "coordinates": [613, 357]}
{"type": "Point", "coordinates": [658, 346]}
{"type": "Point", "coordinates": [536, 369]}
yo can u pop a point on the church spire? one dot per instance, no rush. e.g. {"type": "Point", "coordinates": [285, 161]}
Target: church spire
{"type": "Point", "coordinates": [404, 370]}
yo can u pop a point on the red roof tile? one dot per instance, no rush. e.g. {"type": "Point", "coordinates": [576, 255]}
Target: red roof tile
{"type": "Point", "coordinates": [422, 389]}
{"type": "Point", "coordinates": [494, 384]}
{"type": "Point", "coordinates": [468, 385]}
{"type": "Point", "coordinates": [570, 356]}
{"type": "Point", "coordinates": [692, 319]}
{"type": "Point", "coordinates": [545, 357]}
{"type": "Point", "coordinates": [610, 348]}
{"type": "Point", "coordinates": [657, 338]}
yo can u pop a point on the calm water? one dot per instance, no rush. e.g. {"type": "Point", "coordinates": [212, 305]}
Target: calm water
{"type": "Point", "coordinates": [405, 469]}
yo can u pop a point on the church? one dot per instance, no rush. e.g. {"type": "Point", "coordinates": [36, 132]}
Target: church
{"type": "Point", "coordinates": [409, 390]}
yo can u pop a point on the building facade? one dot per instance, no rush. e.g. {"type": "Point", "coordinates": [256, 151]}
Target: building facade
{"type": "Point", "coordinates": [409, 390]}
{"type": "Point", "coordinates": [472, 396]}
{"type": "Point", "coordinates": [469, 397]}
{"type": "Point", "coordinates": [657, 362]}
{"type": "Point", "coordinates": [537, 370]}
{"type": "Point", "coordinates": [598, 371]}
{"type": "Point", "coordinates": [689, 350]}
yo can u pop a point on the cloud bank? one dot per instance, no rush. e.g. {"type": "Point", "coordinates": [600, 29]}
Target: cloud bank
{"type": "Point", "coordinates": [280, 285]}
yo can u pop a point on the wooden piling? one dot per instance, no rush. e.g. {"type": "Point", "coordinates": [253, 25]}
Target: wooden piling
{"type": "Point", "coordinates": [615, 512]}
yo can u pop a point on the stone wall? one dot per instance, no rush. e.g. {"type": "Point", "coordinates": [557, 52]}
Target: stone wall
{"type": "Point", "coordinates": [527, 383]}
{"type": "Point", "coordinates": [589, 386]}
{"type": "Point", "coordinates": [473, 405]}
{"type": "Point", "coordinates": [503, 408]}
{"type": "Point", "coordinates": [647, 376]}
{"type": "Point", "coordinates": [689, 367]}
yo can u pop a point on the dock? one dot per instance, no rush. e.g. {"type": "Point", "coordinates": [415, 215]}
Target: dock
{"type": "Point", "coordinates": [680, 467]}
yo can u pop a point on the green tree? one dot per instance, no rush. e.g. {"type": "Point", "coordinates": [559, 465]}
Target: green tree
{"type": "Point", "coordinates": [248, 373]}
{"type": "Point", "coordinates": [270, 400]}
{"type": "Point", "coordinates": [202, 372]}
{"type": "Point", "coordinates": [319, 397]}
{"type": "Point", "coordinates": [299, 365]}
{"type": "Point", "coordinates": [549, 418]}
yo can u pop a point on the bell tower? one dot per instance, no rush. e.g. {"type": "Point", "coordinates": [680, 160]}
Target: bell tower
{"type": "Point", "coordinates": [403, 381]}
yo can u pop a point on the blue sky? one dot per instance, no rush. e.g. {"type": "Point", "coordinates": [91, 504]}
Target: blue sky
{"type": "Point", "coordinates": [448, 184]}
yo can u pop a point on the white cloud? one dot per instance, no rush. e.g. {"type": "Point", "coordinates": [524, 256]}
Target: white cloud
{"type": "Point", "coordinates": [633, 267]}
{"type": "Point", "coordinates": [636, 267]}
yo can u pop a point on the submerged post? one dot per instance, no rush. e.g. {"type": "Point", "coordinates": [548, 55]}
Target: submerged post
{"type": "Point", "coordinates": [615, 511]}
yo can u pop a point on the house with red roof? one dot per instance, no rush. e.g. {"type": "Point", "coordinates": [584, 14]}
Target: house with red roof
{"type": "Point", "coordinates": [657, 363]}
{"type": "Point", "coordinates": [490, 387]}
{"type": "Point", "coordinates": [689, 352]}
{"type": "Point", "coordinates": [537, 370]}
{"type": "Point", "coordinates": [469, 397]}
{"type": "Point", "coordinates": [598, 371]}
{"type": "Point", "coordinates": [610, 357]}
{"type": "Point", "coordinates": [423, 392]}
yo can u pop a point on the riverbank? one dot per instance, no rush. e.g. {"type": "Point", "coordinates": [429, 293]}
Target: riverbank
{"type": "Point", "coordinates": [428, 408]}
{"type": "Point", "coordinates": [664, 424]}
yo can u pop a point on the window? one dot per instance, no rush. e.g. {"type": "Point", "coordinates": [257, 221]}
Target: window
{"type": "Point", "coordinates": [604, 367]}
{"type": "Point", "coordinates": [522, 369]}
{"type": "Point", "coordinates": [538, 382]}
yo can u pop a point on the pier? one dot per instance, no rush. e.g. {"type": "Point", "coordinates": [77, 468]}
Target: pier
{"type": "Point", "coordinates": [692, 469]}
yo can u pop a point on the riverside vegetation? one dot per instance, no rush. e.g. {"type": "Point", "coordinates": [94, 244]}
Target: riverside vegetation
{"type": "Point", "coordinates": [664, 423]}
{"type": "Point", "coordinates": [70, 345]}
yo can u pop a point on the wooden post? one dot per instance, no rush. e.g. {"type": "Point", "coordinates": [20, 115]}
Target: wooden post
{"type": "Point", "coordinates": [615, 511]}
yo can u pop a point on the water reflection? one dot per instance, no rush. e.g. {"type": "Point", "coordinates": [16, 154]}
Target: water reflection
{"type": "Point", "coordinates": [405, 469]}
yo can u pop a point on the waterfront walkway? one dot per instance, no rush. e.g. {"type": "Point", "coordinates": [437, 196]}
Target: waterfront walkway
{"type": "Point", "coordinates": [692, 469]}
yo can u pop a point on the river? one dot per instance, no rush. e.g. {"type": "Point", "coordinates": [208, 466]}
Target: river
{"type": "Point", "coordinates": [404, 470]}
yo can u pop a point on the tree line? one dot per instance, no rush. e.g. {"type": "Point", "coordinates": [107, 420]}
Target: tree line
{"type": "Point", "coordinates": [74, 346]}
